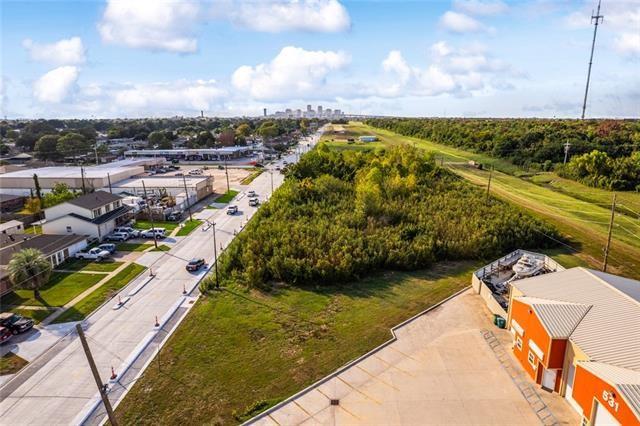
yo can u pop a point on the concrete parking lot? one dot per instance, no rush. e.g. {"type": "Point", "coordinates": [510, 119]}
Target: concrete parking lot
{"type": "Point", "coordinates": [440, 370]}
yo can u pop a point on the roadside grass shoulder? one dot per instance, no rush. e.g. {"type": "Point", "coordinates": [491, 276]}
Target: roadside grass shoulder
{"type": "Point", "coordinates": [87, 265]}
{"type": "Point", "coordinates": [37, 315]}
{"type": "Point", "coordinates": [106, 291]}
{"type": "Point", "coordinates": [254, 174]}
{"type": "Point", "coordinates": [259, 348]}
{"type": "Point", "coordinates": [11, 363]}
{"type": "Point", "coordinates": [128, 247]}
{"type": "Point", "coordinates": [188, 227]}
{"type": "Point", "coordinates": [161, 247]}
{"type": "Point", "coordinates": [61, 288]}
{"type": "Point", "coordinates": [226, 197]}
{"type": "Point", "coordinates": [146, 224]}
{"type": "Point", "coordinates": [33, 229]}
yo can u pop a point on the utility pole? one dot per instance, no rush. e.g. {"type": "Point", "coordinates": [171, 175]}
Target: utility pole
{"type": "Point", "coordinates": [606, 249]}
{"type": "Point", "coordinates": [215, 254]}
{"type": "Point", "coordinates": [186, 193]}
{"type": "Point", "coordinates": [102, 388]}
{"type": "Point", "coordinates": [595, 20]}
{"type": "Point", "coordinates": [226, 170]}
{"type": "Point", "coordinates": [567, 145]}
{"type": "Point", "coordinates": [109, 180]}
{"type": "Point", "coordinates": [95, 148]}
{"type": "Point", "coordinates": [271, 173]}
{"type": "Point", "coordinates": [489, 184]}
{"type": "Point", "coordinates": [84, 188]}
{"type": "Point", "coordinates": [144, 188]}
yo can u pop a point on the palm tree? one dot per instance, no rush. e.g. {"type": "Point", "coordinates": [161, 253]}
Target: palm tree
{"type": "Point", "coordinates": [29, 268]}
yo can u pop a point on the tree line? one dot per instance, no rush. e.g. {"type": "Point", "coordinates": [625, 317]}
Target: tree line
{"type": "Point", "coordinates": [340, 216]}
{"type": "Point", "coordinates": [539, 144]}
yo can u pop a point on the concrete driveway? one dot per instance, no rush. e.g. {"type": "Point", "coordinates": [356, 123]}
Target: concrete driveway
{"type": "Point", "coordinates": [440, 370]}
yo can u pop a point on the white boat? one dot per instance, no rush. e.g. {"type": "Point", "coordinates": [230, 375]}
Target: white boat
{"type": "Point", "coordinates": [528, 266]}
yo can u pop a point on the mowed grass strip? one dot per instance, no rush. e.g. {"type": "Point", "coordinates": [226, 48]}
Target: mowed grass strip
{"type": "Point", "coordinates": [161, 247]}
{"type": "Point", "coordinates": [61, 288]}
{"type": "Point", "coordinates": [226, 197]}
{"type": "Point", "coordinates": [11, 363]}
{"type": "Point", "coordinates": [37, 315]}
{"type": "Point", "coordinates": [133, 246]}
{"type": "Point", "coordinates": [106, 291]}
{"type": "Point", "coordinates": [146, 224]}
{"type": "Point", "coordinates": [237, 349]}
{"type": "Point", "coordinates": [87, 265]}
{"type": "Point", "coordinates": [254, 174]}
{"type": "Point", "coordinates": [188, 227]}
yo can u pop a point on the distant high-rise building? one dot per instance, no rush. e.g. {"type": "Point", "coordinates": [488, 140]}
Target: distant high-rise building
{"type": "Point", "coordinates": [264, 112]}
{"type": "Point", "coordinates": [328, 112]}
{"type": "Point", "coordinates": [309, 108]}
{"type": "Point", "coordinates": [298, 112]}
{"type": "Point", "coordinates": [319, 110]}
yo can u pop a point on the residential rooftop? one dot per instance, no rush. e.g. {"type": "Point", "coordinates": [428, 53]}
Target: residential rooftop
{"type": "Point", "coordinates": [94, 200]}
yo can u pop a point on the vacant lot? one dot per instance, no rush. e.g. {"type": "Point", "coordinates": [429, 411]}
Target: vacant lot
{"type": "Point", "coordinates": [61, 288]}
{"type": "Point", "coordinates": [583, 219]}
{"type": "Point", "coordinates": [237, 349]}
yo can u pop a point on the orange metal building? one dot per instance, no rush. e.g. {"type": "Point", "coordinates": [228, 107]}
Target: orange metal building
{"type": "Point", "coordinates": [577, 332]}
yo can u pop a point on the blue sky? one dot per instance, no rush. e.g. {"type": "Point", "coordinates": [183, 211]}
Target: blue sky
{"type": "Point", "coordinates": [493, 58]}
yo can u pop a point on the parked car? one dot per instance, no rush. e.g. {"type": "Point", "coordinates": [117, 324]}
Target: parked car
{"type": "Point", "coordinates": [175, 161]}
{"type": "Point", "coordinates": [133, 233]}
{"type": "Point", "coordinates": [232, 209]}
{"type": "Point", "coordinates": [251, 194]}
{"type": "Point", "coordinates": [195, 172]}
{"type": "Point", "coordinates": [175, 216]}
{"type": "Point", "coordinates": [117, 236]}
{"type": "Point", "coordinates": [93, 254]}
{"type": "Point", "coordinates": [195, 265]}
{"type": "Point", "coordinates": [220, 167]}
{"type": "Point", "coordinates": [179, 174]}
{"type": "Point", "coordinates": [15, 323]}
{"type": "Point", "coordinates": [5, 334]}
{"type": "Point", "coordinates": [111, 248]}
{"type": "Point", "coordinates": [156, 233]}
{"type": "Point", "coordinates": [254, 202]}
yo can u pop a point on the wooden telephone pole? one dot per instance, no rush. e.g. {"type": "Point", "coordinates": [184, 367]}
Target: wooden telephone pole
{"type": "Point", "coordinates": [489, 184]}
{"type": "Point", "coordinates": [94, 370]}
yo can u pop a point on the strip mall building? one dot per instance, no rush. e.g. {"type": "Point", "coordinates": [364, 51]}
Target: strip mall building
{"type": "Point", "coordinates": [577, 332]}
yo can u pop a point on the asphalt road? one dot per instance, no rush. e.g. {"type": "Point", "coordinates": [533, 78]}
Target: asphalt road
{"type": "Point", "coordinates": [63, 387]}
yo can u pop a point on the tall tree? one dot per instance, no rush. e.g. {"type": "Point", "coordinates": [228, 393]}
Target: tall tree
{"type": "Point", "coordinates": [73, 145]}
{"type": "Point", "coordinates": [46, 148]}
{"type": "Point", "coordinates": [29, 268]}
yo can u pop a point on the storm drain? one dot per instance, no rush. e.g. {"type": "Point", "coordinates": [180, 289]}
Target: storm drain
{"type": "Point", "coordinates": [335, 402]}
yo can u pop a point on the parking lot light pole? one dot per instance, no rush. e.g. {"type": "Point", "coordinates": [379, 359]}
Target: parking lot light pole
{"type": "Point", "coordinates": [144, 188]}
{"type": "Point", "coordinates": [271, 173]}
{"type": "Point", "coordinates": [215, 254]}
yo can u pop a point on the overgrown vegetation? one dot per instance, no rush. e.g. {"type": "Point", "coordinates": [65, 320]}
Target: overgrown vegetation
{"type": "Point", "coordinates": [341, 215]}
{"type": "Point", "coordinates": [539, 144]}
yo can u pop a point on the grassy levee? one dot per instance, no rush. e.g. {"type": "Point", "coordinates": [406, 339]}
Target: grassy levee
{"type": "Point", "coordinates": [239, 352]}
{"type": "Point", "coordinates": [578, 211]}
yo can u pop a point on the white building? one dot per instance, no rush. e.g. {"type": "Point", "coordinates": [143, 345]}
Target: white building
{"type": "Point", "coordinates": [12, 227]}
{"type": "Point", "coordinates": [95, 215]}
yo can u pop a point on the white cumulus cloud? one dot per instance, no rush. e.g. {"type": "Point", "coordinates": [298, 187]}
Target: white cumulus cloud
{"type": "Point", "coordinates": [293, 73]}
{"type": "Point", "coordinates": [460, 23]}
{"type": "Point", "coordinates": [628, 44]}
{"type": "Point", "coordinates": [153, 24]}
{"type": "Point", "coordinates": [182, 95]}
{"type": "Point", "coordinates": [481, 7]}
{"type": "Point", "coordinates": [284, 15]}
{"type": "Point", "coordinates": [68, 51]}
{"type": "Point", "coordinates": [56, 85]}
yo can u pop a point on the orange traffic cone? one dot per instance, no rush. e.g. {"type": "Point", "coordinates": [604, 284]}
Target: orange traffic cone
{"type": "Point", "coordinates": [157, 323]}
{"type": "Point", "coordinates": [113, 374]}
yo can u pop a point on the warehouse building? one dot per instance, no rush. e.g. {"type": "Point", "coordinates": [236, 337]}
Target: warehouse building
{"type": "Point", "coordinates": [198, 187]}
{"type": "Point", "coordinates": [577, 332]}
{"type": "Point", "coordinates": [91, 177]}
{"type": "Point", "coordinates": [200, 154]}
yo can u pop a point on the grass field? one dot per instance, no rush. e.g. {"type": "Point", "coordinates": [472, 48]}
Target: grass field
{"type": "Point", "coordinates": [33, 229]}
{"type": "Point", "coordinates": [161, 247]}
{"type": "Point", "coordinates": [11, 363]}
{"type": "Point", "coordinates": [133, 246]}
{"type": "Point", "coordinates": [226, 197]}
{"type": "Point", "coordinates": [237, 349]}
{"type": "Point", "coordinates": [584, 219]}
{"type": "Point", "coordinates": [188, 227]}
{"type": "Point", "coordinates": [254, 174]}
{"type": "Point", "coordinates": [146, 224]}
{"type": "Point", "coordinates": [87, 265]}
{"type": "Point", "coordinates": [61, 288]}
{"type": "Point", "coordinates": [86, 306]}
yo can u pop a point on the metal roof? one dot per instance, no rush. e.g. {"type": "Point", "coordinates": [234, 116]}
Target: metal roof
{"type": "Point", "coordinates": [559, 318]}
{"type": "Point", "coordinates": [627, 381]}
{"type": "Point", "coordinates": [46, 243]}
{"type": "Point", "coordinates": [610, 331]}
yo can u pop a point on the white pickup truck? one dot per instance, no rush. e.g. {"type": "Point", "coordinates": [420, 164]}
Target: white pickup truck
{"type": "Point", "coordinates": [95, 253]}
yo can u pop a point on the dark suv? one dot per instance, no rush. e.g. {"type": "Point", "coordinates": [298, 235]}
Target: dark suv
{"type": "Point", "coordinates": [15, 323]}
{"type": "Point", "coordinates": [195, 265]}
